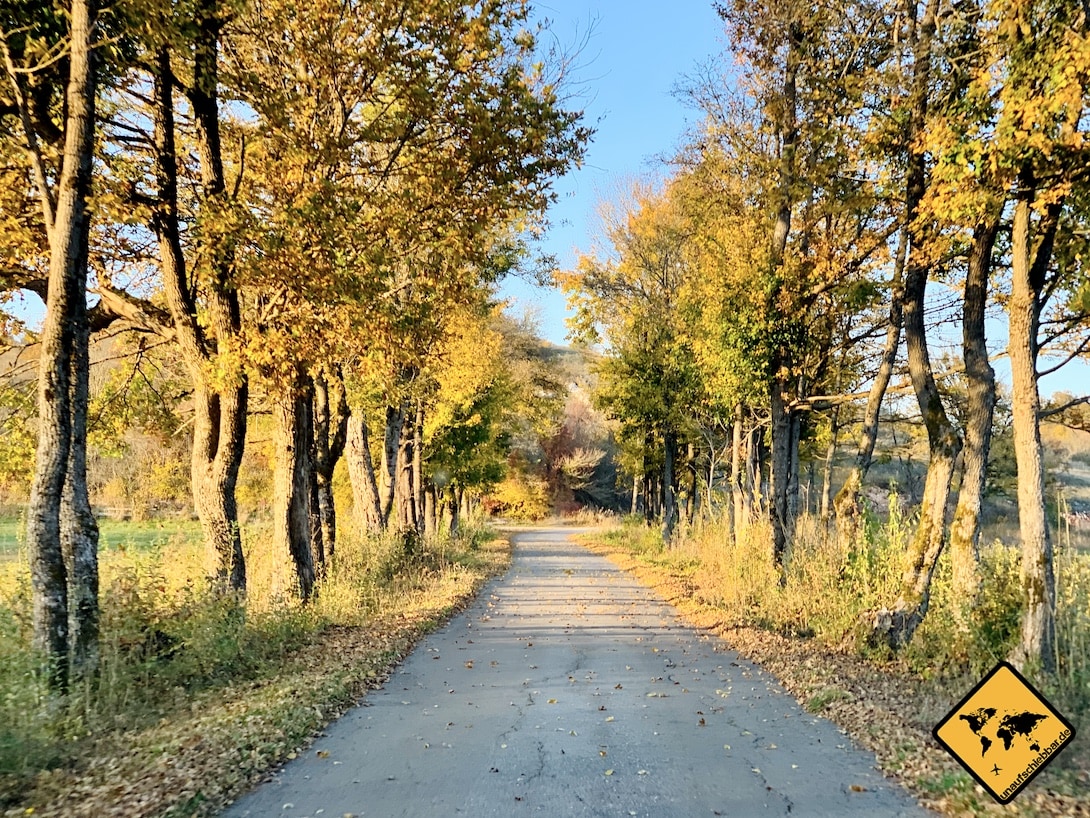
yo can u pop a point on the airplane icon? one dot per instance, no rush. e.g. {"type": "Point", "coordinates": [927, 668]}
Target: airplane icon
{"type": "Point", "coordinates": [996, 768]}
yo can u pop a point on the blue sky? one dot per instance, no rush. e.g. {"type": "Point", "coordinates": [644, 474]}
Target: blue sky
{"type": "Point", "coordinates": [636, 52]}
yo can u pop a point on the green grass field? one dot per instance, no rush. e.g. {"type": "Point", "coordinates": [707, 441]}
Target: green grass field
{"type": "Point", "coordinates": [112, 534]}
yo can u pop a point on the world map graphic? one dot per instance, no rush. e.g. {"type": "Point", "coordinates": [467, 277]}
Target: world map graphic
{"type": "Point", "coordinates": [987, 726]}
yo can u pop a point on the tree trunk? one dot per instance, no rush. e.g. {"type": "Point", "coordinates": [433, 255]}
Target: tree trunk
{"type": "Point", "coordinates": [78, 528]}
{"type": "Point", "coordinates": [779, 467]}
{"type": "Point", "coordinates": [793, 475]}
{"type": "Point", "coordinates": [66, 223]}
{"type": "Point", "coordinates": [314, 510]}
{"type": "Point", "coordinates": [1028, 267]}
{"type": "Point", "coordinates": [219, 429]}
{"type": "Point", "coordinates": [454, 508]}
{"type": "Point", "coordinates": [219, 438]}
{"type": "Point", "coordinates": [944, 446]}
{"type": "Point", "coordinates": [395, 422]}
{"type": "Point", "coordinates": [419, 489]}
{"type": "Point", "coordinates": [846, 503]}
{"type": "Point", "coordinates": [694, 484]}
{"type": "Point", "coordinates": [752, 488]}
{"type": "Point", "coordinates": [965, 530]}
{"type": "Point", "coordinates": [405, 494]}
{"type": "Point", "coordinates": [669, 485]}
{"type": "Point", "coordinates": [361, 473]}
{"type": "Point", "coordinates": [431, 508]}
{"type": "Point", "coordinates": [740, 519]}
{"type": "Point", "coordinates": [330, 439]}
{"type": "Point", "coordinates": [827, 469]}
{"type": "Point", "coordinates": [898, 626]}
{"type": "Point", "coordinates": [291, 484]}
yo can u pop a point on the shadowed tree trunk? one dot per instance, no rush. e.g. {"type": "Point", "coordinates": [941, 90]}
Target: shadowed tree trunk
{"type": "Point", "coordinates": [788, 134]}
{"type": "Point", "coordinates": [405, 494]}
{"type": "Point", "coordinates": [395, 422]}
{"type": "Point", "coordinates": [827, 469]}
{"type": "Point", "coordinates": [965, 530]}
{"type": "Point", "coordinates": [78, 527]}
{"type": "Point", "coordinates": [292, 484]}
{"type": "Point", "coordinates": [419, 489]}
{"type": "Point", "coordinates": [779, 468]}
{"type": "Point", "coordinates": [330, 437]}
{"type": "Point", "coordinates": [669, 485]}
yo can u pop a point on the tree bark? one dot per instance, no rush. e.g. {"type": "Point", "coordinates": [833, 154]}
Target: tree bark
{"type": "Point", "coordinates": [669, 485]}
{"type": "Point", "coordinates": [395, 422]}
{"type": "Point", "coordinates": [405, 495]}
{"type": "Point", "coordinates": [67, 227]}
{"type": "Point", "coordinates": [827, 470]}
{"type": "Point", "coordinates": [78, 527]}
{"type": "Point", "coordinates": [779, 467]}
{"type": "Point", "coordinates": [899, 625]}
{"type": "Point", "coordinates": [431, 509]}
{"type": "Point", "coordinates": [752, 488]}
{"type": "Point", "coordinates": [694, 484]}
{"type": "Point", "coordinates": [453, 508]}
{"type": "Point", "coordinates": [361, 473]}
{"type": "Point", "coordinates": [965, 530]}
{"type": "Point", "coordinates": [740, 519]}
{"type": "Point", "coordinates": [330, 439]}
{"type": "Point", "coordinates": [1029, 264]}
{"type": "Point", "coordinates": [419, 489]}
{"type": "Point", "coordinates": [794, 475]}
{"type": "Point", "coordinates": [219, 429]}
{"type": "Point", "coordinates": [787, 131]}
{"type": "Point", "coordinates": [291, 484]}
{"type": "Point", "coordinates": [219, 439]}
{"type": "Point", "coordinates": [944, 445]}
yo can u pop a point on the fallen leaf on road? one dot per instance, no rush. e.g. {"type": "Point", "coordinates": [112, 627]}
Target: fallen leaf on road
{"type": "Point", "coordinates": [609, 772]}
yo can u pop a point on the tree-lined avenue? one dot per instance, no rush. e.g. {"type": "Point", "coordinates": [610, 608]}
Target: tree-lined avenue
{"type": "Point", "coordinates": [570, 689]}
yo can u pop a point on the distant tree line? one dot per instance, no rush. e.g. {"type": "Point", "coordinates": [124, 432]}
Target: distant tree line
{"type": "Point", "coordinates": [849, 155]}
{"type": "Point", "coordinates": [305, 201]}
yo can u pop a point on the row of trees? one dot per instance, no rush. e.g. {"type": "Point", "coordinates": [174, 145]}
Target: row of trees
{"type": "Point", "coordinates": [310, 200]}
{"type": "Point", "coordinates": [848, 156]}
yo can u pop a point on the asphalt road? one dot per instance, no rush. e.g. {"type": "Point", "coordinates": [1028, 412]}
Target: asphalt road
{"type": "Point", "coordinates": [567, 689]}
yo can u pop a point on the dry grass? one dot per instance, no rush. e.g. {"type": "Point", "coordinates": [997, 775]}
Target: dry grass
{"type": "Point", "coordinates": [182, 732]}
{"type": "Point", "coordinates": [806, 630]}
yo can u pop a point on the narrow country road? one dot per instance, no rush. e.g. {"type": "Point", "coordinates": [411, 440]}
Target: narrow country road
{"type": "Point", "coordinates": [567, 689]}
